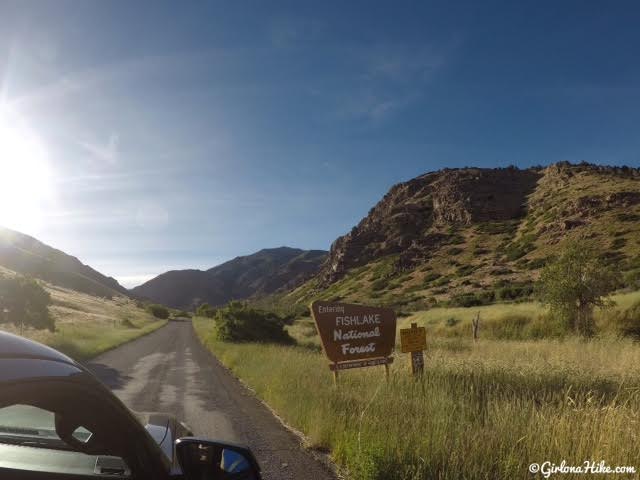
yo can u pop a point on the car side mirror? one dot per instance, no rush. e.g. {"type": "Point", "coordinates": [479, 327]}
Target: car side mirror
{"type": "Point", "coordinates": [214, 460]}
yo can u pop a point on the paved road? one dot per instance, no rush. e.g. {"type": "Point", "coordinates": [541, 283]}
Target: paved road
{"type": "Point", "coordinates": [170, 371]}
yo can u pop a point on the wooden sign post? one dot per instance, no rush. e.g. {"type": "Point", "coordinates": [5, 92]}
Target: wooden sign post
{"type": "Point", "coordinates": [414, 340]}
{"type": "Point", "coordinates": [355, 336]}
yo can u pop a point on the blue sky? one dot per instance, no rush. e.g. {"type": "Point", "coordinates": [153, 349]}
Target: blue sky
{"type": "Point", "coordinates": [183, 134]}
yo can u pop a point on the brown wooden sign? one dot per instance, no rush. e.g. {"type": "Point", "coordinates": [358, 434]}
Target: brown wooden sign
{"type": "Point", "coordinates": [413, 339]}
{"type": "Point", "coordinates": [354, 332]}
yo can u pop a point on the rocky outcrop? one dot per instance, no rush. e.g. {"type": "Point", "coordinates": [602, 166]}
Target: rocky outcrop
{"type": "Point", "coordinates": [412, 218]}
{"type": "Point", "coordinates": [590, 205]}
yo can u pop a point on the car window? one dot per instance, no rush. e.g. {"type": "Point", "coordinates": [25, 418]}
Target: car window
{"type": "Point", "coordinates": [35, 428]}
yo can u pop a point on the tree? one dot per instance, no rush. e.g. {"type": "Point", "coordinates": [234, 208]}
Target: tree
{"type": "Point", "coordinates": [205, 310]}
{"type": "Point", "coordinates": [23, 301]}
{"type": "Point", "coordinates": [158, 311]}
{"type": "Point", "coordinates": [574, 284]}
{"type": "Point", "coordinates": [237, 322]}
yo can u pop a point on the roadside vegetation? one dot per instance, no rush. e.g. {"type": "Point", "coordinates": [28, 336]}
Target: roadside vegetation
{"type": "Point", "coordinates": [237, 322]}
{"type": "Point", "coordinates": [554, 380]}
{"type": "Point", "coordinates": [159, 311]}
{"type": "Point", "coordinates": [482, 410]}
{"type": "Point", "coordinates": [24, 302]}
{"type": "Point", "coordinates": [83, 326]}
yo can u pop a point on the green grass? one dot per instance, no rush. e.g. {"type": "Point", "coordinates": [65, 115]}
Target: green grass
{"type": "Point", "coordinates": [87, 326]}
{"type": "Point", "coordinates": [482, 410]}
{"type": "Point", "coordinates": [493, 318]}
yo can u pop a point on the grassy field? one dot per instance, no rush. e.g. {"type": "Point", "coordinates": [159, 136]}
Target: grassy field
{"type": "Point", "coordinates": [485, 410]}
{"type": "Point", "coordinates": [87, 326]}
{"type": "Point", "coordinates": [509, 320]}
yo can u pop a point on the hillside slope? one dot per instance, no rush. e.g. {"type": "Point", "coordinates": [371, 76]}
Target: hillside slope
{"type": "Point", "coordinates": [26, 255]}
{"type": "Point", "coordinates": [469, 236]}
{"type": "Point", "coordinates": [264, 272]}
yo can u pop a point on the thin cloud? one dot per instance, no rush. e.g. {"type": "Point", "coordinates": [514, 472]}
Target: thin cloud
{"type": "Point", "coordinates": [388, 79]}
{"type": "Point", "coordinates": [375, 106]}
{"type": "Point", "coordinates": [108, 153]}
{"type": "Point", "coordinates": [91, 78]}
{"type": "Point", "coordinates": [404, 64]}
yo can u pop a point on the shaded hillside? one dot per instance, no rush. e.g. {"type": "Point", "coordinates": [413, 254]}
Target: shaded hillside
{"type": "Point", "coordinates": [264, 272]}
{"type": "Point", "coordinates": [469, 236]}
{"type": "Point", "coordinates": [26, 255]}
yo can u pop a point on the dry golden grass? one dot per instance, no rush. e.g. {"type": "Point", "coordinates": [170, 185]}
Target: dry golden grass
{"type": "Point", "coordinates": [87, 326]}
{"type": "Point", "coordinates": [482, 410]}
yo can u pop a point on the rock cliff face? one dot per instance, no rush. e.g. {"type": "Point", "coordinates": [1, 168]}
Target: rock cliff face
{"type": "Point", "coordinates": [413, 217]}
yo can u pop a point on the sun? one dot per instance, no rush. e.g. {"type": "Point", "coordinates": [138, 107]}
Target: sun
{"type": "Point", "coordinates": [25, 179]}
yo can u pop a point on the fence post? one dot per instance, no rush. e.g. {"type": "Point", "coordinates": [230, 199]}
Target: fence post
{"type": "Point", "coordinates": [475, 324]}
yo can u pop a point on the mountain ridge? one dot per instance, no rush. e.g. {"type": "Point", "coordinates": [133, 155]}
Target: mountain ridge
{"type": "Point", "coordinates": [475, 235]}
{"type": "Point", "coordinates": [27, 255]}
{"type": "Point", "coordinates": [264, 272]}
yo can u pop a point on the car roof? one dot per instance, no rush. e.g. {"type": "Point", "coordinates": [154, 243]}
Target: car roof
{"type": "Point", "coordinates": [14, 346]}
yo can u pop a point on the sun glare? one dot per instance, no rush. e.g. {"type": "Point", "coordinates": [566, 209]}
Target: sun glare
{"type": "Point", "coordinates": [25, 180]}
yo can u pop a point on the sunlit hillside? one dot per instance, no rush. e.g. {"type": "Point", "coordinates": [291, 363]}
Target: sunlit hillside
{"type": "Point", "coordinates": [87, 325]}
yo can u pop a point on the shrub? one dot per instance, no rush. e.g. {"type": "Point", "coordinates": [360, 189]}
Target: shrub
{"type": "Point", "coordinates": [536, 263]}
{"type": "Point", "coordinates": [452, 322]}
{"type": "Point", "coordinates": [127, 323]}
{"type": "Point", "coordinates": [25, 302]}
{"type": "Point", "coordinates": [632, 279]}
{"type": "Point", "coordinates": [618, 243]}
{"type": "Point", "coordinates": [379, 284]}
{"type": "Point", "coordinates": [430, 277]}
{"type": "Point", "coordinates": [627, 323]}
{"type": "Point", "coordinates": [501, 271]}
{"type": "Point", "coordinates": [238, 322]}
{"type": "Point", "coordinates": [628, 217]}
{"type": "Point", "coordinates": [441, 281]}
{"type": "Point", "coordinates": [514, 291]}
{"type": "Point", "coordinates": [514, 251]}
{"type": "Point", "coordinates": [206, 310]}
{"type": "Point", "coordinates": [466, 270]}
{"type": "Point", "coordinates": [158, 311]}
{"type": "Point", "coordinates": [454, 251]}
{"type": "Point", "coordinates": [471, 299]}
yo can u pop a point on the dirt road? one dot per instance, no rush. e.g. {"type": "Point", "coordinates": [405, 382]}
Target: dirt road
{"type": "Point", "coordinates": [170, 371]}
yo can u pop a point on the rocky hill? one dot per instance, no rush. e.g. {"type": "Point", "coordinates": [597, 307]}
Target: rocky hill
{"type": "Point", "coordinates": [24, 254]}
{"type": "Point", "coordinates": [265, 272]}
{"type": "Point", "coordinates": [473, 235]}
